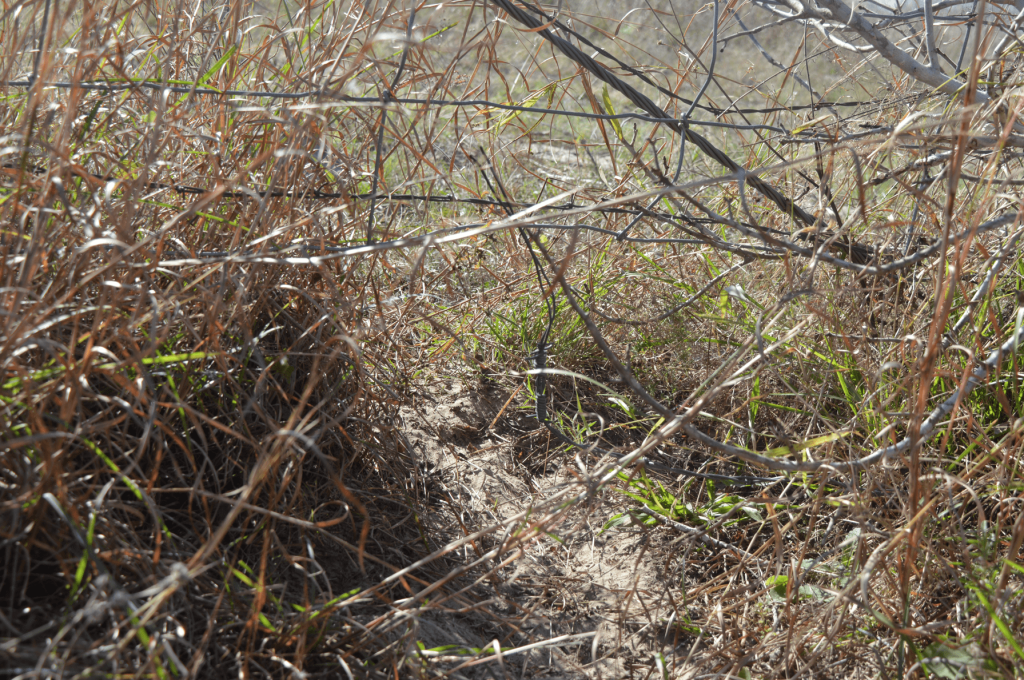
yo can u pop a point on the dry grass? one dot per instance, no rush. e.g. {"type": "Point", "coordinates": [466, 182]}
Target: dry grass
{"type": "Point", "coordinates": [258, 423]}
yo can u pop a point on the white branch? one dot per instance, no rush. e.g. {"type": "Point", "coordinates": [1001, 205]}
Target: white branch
{"type": "Point", "coordinates": [929, 35]}
{"type": "Point", "coordinates": [894, 55]}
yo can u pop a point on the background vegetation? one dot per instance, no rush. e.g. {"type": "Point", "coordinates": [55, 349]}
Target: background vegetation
{"type": "Point", "coordinates": [261, 262]}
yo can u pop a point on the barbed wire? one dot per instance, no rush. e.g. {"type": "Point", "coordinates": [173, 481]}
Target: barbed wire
{"type": "Point", "coordinates": [383, 102]}
{"type": "Point", "coordinates": [765, 242]}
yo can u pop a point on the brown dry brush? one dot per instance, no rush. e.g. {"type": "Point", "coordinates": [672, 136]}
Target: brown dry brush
{"type": "Point", "coordinates": [211, 322]}
{"type": "Point", "coordinates": [187, 445]}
